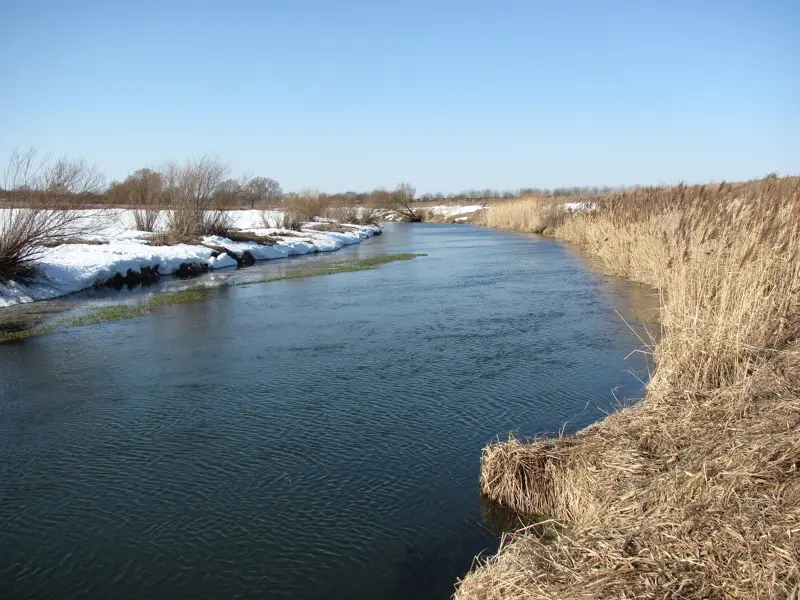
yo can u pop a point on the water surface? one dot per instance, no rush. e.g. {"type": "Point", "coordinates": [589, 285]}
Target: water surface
{"type": "Point", "coordinates": [315, 438]}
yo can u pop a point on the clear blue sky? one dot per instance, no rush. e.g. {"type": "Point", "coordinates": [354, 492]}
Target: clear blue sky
{"type": "Point", "coordinates": [446, 95]}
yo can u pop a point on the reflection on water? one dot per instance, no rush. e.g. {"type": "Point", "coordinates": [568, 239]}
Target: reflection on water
{"type": "Point", "coordinates": [315, 438]}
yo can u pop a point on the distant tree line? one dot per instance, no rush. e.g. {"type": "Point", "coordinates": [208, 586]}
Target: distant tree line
{"type": "Point", "coordinates": [156, 187]}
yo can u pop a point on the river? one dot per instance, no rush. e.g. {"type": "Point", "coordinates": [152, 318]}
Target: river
{"type": "Point", "coordinates": [312, 438]}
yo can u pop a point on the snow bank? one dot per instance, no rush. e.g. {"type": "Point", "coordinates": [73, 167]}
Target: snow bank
{"type": "Point", "coordinates": [74, 267]}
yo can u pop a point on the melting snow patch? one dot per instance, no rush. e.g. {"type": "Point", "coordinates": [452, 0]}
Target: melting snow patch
{"type": "Point", "coordinates": [74, 267]}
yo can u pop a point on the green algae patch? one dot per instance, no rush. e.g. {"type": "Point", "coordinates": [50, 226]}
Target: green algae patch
{"type": "Point", "coordinates": [120, 312]}
{"type": "Point", "coordinates": [339, 266]}
{"type": "Point", "coordinates": [115, 312]}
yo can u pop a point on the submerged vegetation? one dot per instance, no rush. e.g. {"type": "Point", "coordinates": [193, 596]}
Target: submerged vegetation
{"type": "Point", "coordinates": [694, 492]}
{"type": "Point", "coordinates": [157, 301]}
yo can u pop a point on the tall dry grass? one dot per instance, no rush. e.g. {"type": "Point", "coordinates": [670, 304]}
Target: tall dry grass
{"type": "Point", "coordinates": [535, 215]}
{"type": "Point", "coordinates": [695, 492]}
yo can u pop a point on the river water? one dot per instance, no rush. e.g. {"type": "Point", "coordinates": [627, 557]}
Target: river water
{"type": "Point", "coordinates": [313, 438]}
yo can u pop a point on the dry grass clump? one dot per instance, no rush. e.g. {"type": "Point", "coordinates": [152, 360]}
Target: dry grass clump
{"type": "Point", "coordinates": [535, 215]}
{"type": "Point", "coordinates": [695, 492]}
{"type": "Point", "coordinates": [238, 235]}
{"type": "Point", "coordinates": [333, 227]}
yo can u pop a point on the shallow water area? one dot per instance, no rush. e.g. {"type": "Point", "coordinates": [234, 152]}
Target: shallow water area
{"type": "Point", "coordinates": [308, 438]}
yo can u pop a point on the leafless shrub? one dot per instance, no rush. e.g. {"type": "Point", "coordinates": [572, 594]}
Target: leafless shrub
{"type": "Point", "coordinates": [43, 201]}
{"type": "Point", "coordinates": [360, 215]}
{"type": "Point", "coordinates": [263, 192]}
{"type": "Point", "coordinates": [271, 219]}
{"type": "Point", "coordinates": [292, 220]}
{"type": "Point", "coordinates": [189, 191]}
{"type": "Point", "coordinates": [299, 208]}
{"type": "Point", "coordinates": [307, 204]}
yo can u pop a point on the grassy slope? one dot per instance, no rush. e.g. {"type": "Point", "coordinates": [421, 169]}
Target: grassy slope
{"type": "Point", "coordinates": [695, 492]}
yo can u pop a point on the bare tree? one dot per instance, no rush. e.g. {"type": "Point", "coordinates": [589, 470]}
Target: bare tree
{"type": "Point", "coordinates": [402, 202]}
{"type": "Point", "coordinates": [43, 200]}
{"type": "Point", "coordinates": [263, 192]}
{"type": "Point", "coordinates": [231, 193]}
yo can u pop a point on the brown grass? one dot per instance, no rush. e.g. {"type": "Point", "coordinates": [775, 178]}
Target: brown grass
{"type": "Point", "coordinates": [167, 238]}
{"type": "Point", "coordinates": [237, 235]}
{"type": "Point", "coordinates": [695, 492]}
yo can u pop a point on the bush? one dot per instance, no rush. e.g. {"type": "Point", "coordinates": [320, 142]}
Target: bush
{"type": "Point", "coordinates": [189, 191]}
{"type": "Point", "coordinates": [43, 200]}
{"type": "Point", "coordinates": [307, 204]}
{"type": "Point", "coordinates": [360, 215]}
{"type": "Point", "coordinates": [292, 220]}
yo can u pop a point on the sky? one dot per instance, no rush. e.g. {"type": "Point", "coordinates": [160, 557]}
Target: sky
{"type": "Point", "coordinates": [352, 95]}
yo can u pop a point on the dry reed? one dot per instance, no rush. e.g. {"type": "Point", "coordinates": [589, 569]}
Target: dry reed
{"type": "Point", "coordinates": [535, 215]}
{"type": "Point", "coordinates": [694, 492]}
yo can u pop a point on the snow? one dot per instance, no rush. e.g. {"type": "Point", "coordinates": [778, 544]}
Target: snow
{"type": "Point", "coordinates": [452, 211]}
{"type": "Point", "coordinates": [580, 206]}
{"type": "Point", "coordinates": [222, 261]}
{"type": "Point", "coordinates": [73, 267]}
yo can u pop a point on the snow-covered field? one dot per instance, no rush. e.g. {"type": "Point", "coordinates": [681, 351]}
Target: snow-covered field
{"type": "Point", "coordinates": [73, 267]}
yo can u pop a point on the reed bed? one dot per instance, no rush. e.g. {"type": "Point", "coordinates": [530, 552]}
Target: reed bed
{"type": "Point", "coordinates": [695, 491]}
{"type": "Point", "coordinates": [535, 215]}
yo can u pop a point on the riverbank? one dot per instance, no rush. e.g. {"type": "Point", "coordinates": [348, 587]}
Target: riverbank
{"type": "Point", "coordinates": [116, 253]}
{"type": "Point", "coordinates": [695, 491]}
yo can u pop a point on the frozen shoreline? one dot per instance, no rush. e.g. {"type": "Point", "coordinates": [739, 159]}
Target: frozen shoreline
{"type": "Point", "coordinates": [73, 267]}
